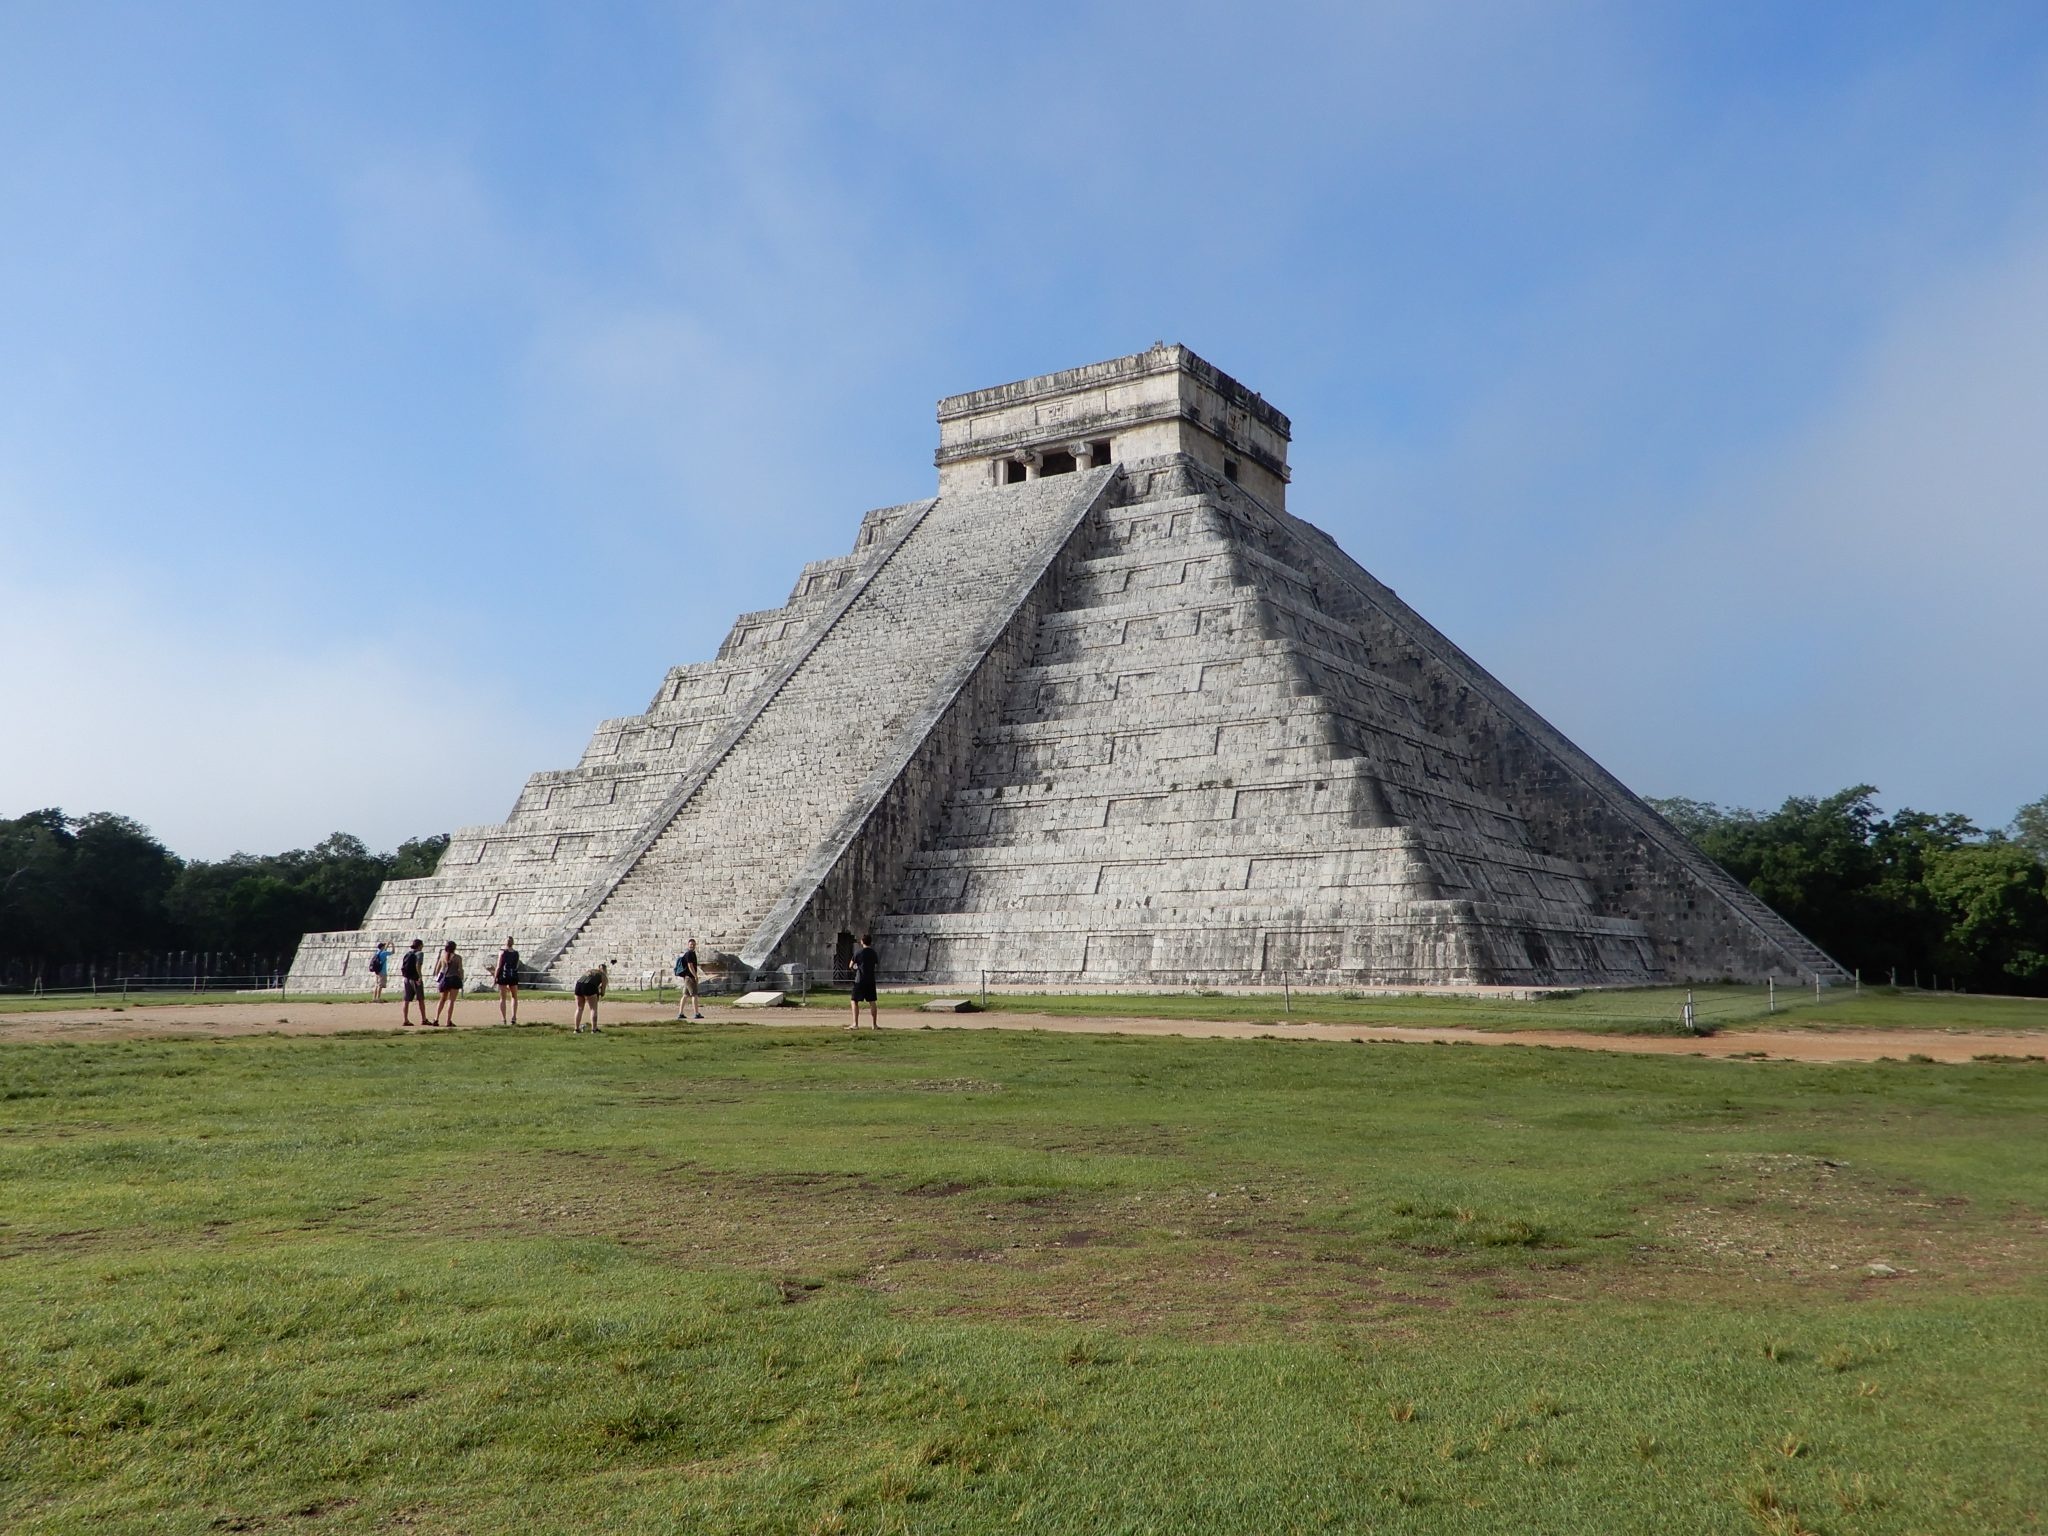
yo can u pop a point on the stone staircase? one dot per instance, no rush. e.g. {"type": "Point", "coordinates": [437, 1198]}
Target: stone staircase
{"type": "Point", "coordinates": [524, 876]}
{"type": "Point", "coordinates": [857, 692]}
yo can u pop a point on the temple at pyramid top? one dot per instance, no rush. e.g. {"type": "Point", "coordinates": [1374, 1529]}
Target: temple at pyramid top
{"type": "Point", "coordinates": [1101, 713]}
{"type": "Point", "coordinates": [1158, 402]}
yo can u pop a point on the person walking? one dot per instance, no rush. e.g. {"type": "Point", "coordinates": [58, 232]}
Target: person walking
{"type": "Point", "coordinates": [412, 977]}
{"type": "Point", "coordinates": [380, 964]}
{"type": "Point", "coordinates": [448, 977]}
{"type": "Point", "coordinates": [686, 981]}
{"type": "Point", "coordinates": [865, 964]}
{"type": "Point", "coordinates": [508, 981]}
{"type": "Point", "coordinates": [590, 986]}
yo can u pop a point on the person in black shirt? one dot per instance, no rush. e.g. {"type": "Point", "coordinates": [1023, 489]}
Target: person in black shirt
{"type": "Point", "coordinates": [508, 981]}
{"type": "Point", "coordinates": [686, 981]}
{"type": "Point", "coordinates": [865, 963]}
{"type": "Point", "coordinates": [415, 982]}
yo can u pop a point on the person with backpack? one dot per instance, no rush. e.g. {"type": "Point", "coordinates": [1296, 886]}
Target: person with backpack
{"type": "Point", "coordinates": [590, 986]}
{"type": "Point", "coordinates": [686, 981]}
{"type": "Point", "coordinates": [507, 975]}
{"type": "Point", "coordinates": [380, 963]}
{"type": "Point", "coordinates": [411, 973]}
{"type": "Point", "coordinates": [448, 977]}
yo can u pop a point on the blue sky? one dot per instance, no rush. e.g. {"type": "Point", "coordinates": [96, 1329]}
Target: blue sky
{"type": "Point", "coordinates": [390, 392]}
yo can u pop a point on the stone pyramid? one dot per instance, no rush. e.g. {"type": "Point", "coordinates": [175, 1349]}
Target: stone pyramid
{"type": "Point", "coordinates": [1100, 714]}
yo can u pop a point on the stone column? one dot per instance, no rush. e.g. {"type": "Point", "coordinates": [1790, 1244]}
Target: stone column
{"type": "Point", "coordinates": [1084, 455]}
{"type": "Point", "coordinates": [1031, 463]}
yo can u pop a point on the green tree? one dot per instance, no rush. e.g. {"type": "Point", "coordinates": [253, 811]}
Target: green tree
{"type": "Point", "coordinates": [1697, 819]}
{"type": "Point", "coordinates": [92, 887]}
{"type": "Point", "coordinates": [267, 914]}
{"type": "Point", "coordinates": [1903, 924]}
{"type": "Point", "coordinates": [119, 877]}
{"type": "Point", "coordinates": [257, 905]}
{"type": "Point", "coordinates": [2029, 828]}
{"type": "Point", "coordinates": [339, 876]}
{"type": "Point", "coordinates": [79, 888]}
{"type": "Point", "coordinates": [1995, 899]}
{"type": "Point", "coordinates": [197, 901]}
{"type": "Point", "coordinates": [1812, 859]}
{"type": "Point", "coordinates": [418, 857]}
{"type": "Point", "coordinates": [36, 899]}
{"type": "Point", "coordinates": [1916, 891]}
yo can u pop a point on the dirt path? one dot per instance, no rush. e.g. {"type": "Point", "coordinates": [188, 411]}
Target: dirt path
{"type": "Point", "coordinates": [219, 1020]}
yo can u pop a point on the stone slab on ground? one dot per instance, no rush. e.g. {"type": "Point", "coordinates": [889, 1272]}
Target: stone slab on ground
{"type": "Point", "coordinates": [762, 1000]}
{"type": "Point", "coordinates": [950, 1005]}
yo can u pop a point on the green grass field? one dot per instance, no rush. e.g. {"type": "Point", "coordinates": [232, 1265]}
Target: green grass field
{"type": "Point", "coordinates": [727, 1278]}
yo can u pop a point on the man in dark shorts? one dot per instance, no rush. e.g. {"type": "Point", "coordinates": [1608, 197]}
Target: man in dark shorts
{"type": "Point", "coordinates": [590, 987]}
{"type": "Point", "coordinates": [411, 973]}
{"type": "Point", "coordinates": [686, 982]}
{"type": "Point", "coordinates": [865, 964]}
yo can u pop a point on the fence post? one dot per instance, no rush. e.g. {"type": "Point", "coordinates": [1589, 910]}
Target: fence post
{"type": "Point", "coordinates": [1691, 1027]}
{"type": "Point", "coordinates": [1771, 994]}
{"type": "Point", "coordinates": [1286, 993]}
{"type": "Point", "coordinates": [1816, 986]}
{"type": "Point", "coordinates": [984, 989]}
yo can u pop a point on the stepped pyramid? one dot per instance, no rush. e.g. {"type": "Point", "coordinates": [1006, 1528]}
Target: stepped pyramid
{"type": "Point", "coordinates": [1099, 714]}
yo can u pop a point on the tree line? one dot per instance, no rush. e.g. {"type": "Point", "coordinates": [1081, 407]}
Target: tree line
{"type": "Point", "coordinates": [1918, 894]}
{"type": "Point", "coordinates": [99, 891]}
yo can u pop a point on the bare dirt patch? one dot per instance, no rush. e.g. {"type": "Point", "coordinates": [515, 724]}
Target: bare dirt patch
{"type": "Point", "coordinates": [224, 1020]}
{"type": "Point", "coordinates": [1230, 1262]}
{"type": "Point", "coordinates": [1192, 1262]}
{"type": "Point", "coordinates": [1817, 1219]}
